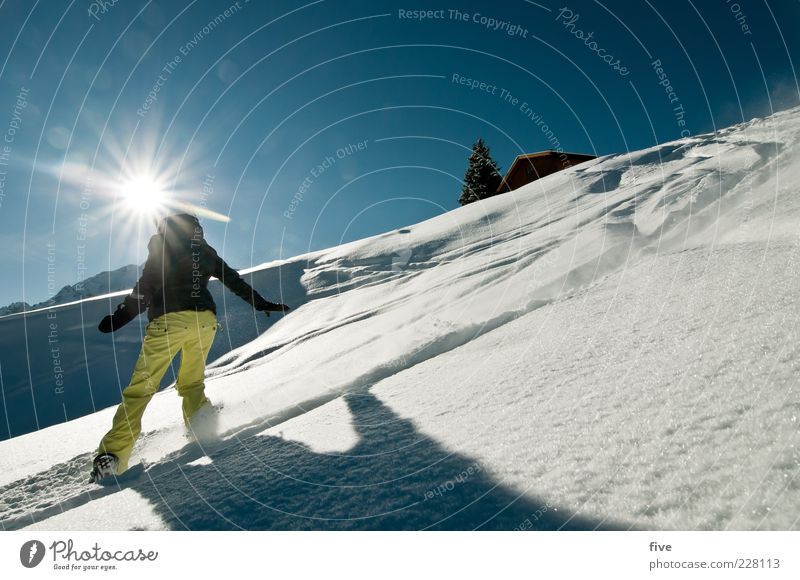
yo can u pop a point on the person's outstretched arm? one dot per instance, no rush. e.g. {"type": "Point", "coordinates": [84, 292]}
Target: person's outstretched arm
{"type": "Point", "coordinates": [236, 284]}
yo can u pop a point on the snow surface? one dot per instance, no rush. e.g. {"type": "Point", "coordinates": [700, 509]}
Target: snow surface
{"type": "Point", "coordinates": [613, 346]}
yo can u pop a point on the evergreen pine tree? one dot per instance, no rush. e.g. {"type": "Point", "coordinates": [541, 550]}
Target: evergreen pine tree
{"type": "Point", "coordinates": [482, 177]}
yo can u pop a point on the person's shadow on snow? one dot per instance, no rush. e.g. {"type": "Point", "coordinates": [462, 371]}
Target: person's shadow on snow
{"type": "Point", "coordinates": [395, 478]}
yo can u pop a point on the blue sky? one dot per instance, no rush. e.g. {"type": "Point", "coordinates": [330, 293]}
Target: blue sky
{"type": "Point", "coordinates": [310, 124]}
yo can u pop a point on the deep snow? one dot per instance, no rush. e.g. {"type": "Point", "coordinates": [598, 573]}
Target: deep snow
{"type": "Point", "coordinates": [612, 346]}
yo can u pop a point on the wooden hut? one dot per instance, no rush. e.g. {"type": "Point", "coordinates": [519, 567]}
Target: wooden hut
{"type": "Point", "coordinates": [533, 166]}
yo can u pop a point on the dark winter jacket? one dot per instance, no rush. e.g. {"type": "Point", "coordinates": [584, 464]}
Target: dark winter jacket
{"type": "Point", "coordinates": [179, 264]}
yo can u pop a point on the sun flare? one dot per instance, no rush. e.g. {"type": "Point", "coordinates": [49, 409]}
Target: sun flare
{"type": "Point", "coordinates": [144, 195]}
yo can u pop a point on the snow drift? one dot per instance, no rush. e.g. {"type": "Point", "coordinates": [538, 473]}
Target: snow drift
{"type": "Point", "coordinates": [612, 346]}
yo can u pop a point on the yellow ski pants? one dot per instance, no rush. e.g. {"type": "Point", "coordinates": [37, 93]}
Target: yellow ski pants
{"type": "Point", "coordinates": [188, 331]}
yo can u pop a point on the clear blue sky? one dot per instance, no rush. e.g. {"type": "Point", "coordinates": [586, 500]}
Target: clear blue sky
{"type": "Point", "coordinates": [264, 94]}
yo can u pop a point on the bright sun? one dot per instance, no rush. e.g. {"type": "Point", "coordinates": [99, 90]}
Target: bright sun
{"type": "Point", "coordinates": [143, 195]}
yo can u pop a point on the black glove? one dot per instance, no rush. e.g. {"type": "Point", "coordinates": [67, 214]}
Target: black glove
{"type": "Point", "coordinates": [125, 312]}
{"type": "Point", "coordinates": [267, 306]}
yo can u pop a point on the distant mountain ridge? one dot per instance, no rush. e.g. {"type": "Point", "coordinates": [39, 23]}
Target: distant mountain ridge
{"type": "Point", "coordinates": [99, 284]}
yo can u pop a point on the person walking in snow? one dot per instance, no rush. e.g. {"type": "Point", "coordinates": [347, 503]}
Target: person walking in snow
{"type": "Point", "coordinates": [173, 288]}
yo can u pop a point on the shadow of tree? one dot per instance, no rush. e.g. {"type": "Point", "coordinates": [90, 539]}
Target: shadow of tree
{"type": "Point", "coordinates": [395, 478]}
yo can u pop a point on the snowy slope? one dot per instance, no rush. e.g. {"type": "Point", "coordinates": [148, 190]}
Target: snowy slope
{"type": "Point", "coordinates": [611, 346]}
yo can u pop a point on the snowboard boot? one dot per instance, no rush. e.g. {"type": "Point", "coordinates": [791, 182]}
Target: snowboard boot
{"type": "Point", "coordinates": [203, 426]}
{"type": "Point", "coordinates": [105, 465]}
